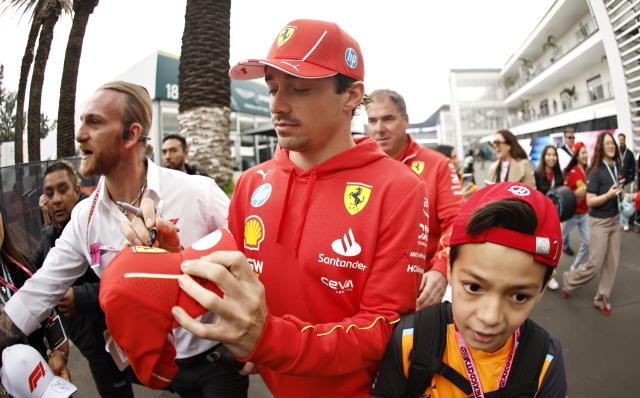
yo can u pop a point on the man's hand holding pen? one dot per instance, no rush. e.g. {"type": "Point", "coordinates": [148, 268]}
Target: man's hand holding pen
{"type": "Point", "coordinates": [148, 217]}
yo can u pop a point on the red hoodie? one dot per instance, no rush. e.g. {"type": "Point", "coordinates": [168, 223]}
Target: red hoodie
{"type": "Point", "coordinates": [340, 249]}
{"type": "Point", "coordinates": [577, 174]}
{"type": "Point", "coordinates": [445, 197]}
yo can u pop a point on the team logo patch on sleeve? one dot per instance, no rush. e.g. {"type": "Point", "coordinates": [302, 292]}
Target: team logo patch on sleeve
{"type": "Point", "coordinates": [253, 232]}
{"type": "Point", "coordinates": [417, 166]}
{"type": "Point", "coordinates": [285, 34]}
{"type": "Point", "coordinates": [356, 196]}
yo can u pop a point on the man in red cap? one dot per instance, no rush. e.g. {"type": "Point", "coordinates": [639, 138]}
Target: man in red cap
{"type": "Point", "coordinates": [388, 122]}
{"type": "Point", "coordinates": [332, 231]}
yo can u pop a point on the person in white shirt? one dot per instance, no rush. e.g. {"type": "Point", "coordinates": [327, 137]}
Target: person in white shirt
{"type": "Point", "coordinates": [565, 152]}
{"type": "Point", "coordinates": [113, 132]}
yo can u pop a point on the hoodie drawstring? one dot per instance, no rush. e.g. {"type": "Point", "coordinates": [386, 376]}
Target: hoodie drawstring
{"type": "Point", "coordinates": [303, 212]}
{"type": "Point", "coordinates": [285, 206]}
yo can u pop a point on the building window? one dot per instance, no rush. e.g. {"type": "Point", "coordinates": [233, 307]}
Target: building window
{"type": "Point", "coordinates": [544, 108]}
{"type": "Point", "coordinates": [596, 91]}
{"type": "Point", "coordinates": [566, 101]}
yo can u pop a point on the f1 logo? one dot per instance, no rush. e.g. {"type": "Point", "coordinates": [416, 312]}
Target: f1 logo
{"type": "Point", "coordinates": [37, 374]}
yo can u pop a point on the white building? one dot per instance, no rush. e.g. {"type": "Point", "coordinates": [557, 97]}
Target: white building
{"type": "Point", "coordinates": [579, 68]}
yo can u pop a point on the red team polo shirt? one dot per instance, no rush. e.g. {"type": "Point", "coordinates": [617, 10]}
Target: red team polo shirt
{"type": "Point", "coordinates": [340, 250]}
{"type": "Point", "coordinates": [445, 196]}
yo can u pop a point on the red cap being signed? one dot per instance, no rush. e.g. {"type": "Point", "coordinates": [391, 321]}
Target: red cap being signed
{"type": "Point", "coordinates": [137, 291]}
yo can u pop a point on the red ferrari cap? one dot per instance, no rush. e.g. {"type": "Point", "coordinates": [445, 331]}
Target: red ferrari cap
{"type": "Point", "coordinates": [309, 49]}
{"type": "Point", "coordinates": [545, 245]}
{"type": "Point", "coordinates": [137, 291]}
{"type": "Point", "coordinates": [577, 147]}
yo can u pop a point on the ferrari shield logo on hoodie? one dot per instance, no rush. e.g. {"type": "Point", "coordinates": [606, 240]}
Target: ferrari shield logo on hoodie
{"type": "Point", "coordinates": [417, 166]}
{"type": "Point", "coordinates": [356, 196]}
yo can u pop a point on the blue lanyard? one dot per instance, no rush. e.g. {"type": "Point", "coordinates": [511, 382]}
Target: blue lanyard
{"type": "Point", "coordinates": [614, 175]}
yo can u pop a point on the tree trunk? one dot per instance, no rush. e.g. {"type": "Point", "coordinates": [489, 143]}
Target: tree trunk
{"type": "Point", "coordinates": [27, 60]}
{"type": "Point", "coordinates": [50, 15]}
{"type": "Point", "coordinates": [66, 107]}
{"type": "Point", "coordinates": [205, 87]}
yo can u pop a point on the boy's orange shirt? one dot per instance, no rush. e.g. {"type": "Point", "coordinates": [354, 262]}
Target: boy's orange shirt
{"type": "Point", "coordinates": [489, 366]}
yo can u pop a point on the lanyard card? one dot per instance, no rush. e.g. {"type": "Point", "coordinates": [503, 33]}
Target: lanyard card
{"type": "Point", "coordinates": [55, 333]}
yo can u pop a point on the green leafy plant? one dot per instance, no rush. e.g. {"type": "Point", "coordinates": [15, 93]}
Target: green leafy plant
{"type": "Point", "coordinates": [571, 92]}
{"type": "Point", "coordinates": [550, 43]}
{"type": "Point", "coordinates": [526, 63]}
{"type": "Point", "coordinates": [522, 107]}
{"type": "Point", "coordinates": [604, 58]}
{"type": "Point", "coordinates": [508, 81]}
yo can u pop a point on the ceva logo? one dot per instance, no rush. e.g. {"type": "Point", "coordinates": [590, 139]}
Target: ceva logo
{"type": "Point", "coordinates": [338, 286]}
{"type": "Point", "coordinates": [347, 246]}
{"type": "Point", "coordinates": [35, 376]}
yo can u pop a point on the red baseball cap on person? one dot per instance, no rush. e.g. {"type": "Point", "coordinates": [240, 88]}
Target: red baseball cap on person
{"type": "Point", "coordinates": [545, 245]}
{"type": "Point", "coordinates": [577, 147]}
{"type": "Point", "coordinates": [309, 49]}
{"type": "Point", "coordinates": [137, 291]}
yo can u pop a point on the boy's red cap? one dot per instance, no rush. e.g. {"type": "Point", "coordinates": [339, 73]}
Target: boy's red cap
{"type": "Point", "coordinates": [137, 291]}
{"type": "Point", "coordinates": [545, 245]}
{"type": "Point", "coordinates": [309, 49]}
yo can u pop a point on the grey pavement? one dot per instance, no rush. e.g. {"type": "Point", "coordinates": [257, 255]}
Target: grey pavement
{"type": "Point", "coordinates": [601, 353]}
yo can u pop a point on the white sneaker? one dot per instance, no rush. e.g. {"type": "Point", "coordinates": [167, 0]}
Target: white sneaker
{"type": "Point", "coordinates": [553, 284]}
{"type": "Point", "coordinates": [625, 228]}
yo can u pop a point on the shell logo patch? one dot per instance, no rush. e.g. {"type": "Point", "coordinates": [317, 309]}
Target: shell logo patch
{"type": "Point", "coordinates": [285, 34]}
{"type": "Point", "coordinates": [356, 197]}
{"type": "Point", "coordinates": [417, 166]}
{"type": "Point", "coordinates": [253, 232]}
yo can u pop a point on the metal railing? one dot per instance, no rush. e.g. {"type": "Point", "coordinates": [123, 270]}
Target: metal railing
{"type": "Point", "coordinates": [582, 99]}
{"type": "Point", "coordinates": [529, 73]}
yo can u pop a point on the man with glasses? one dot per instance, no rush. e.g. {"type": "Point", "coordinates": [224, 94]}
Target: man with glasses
{"type": "Point", "coordinates": [565, 152]}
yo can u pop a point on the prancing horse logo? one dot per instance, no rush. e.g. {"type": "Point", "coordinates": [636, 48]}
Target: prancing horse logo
{"type": "Point", "coordinates": [285, 35]}
{"type": "Point", "coordinates": [356, 196]}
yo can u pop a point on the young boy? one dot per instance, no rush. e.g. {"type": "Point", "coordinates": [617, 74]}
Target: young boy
{"type": "Point", "coordinates": [505, 247]}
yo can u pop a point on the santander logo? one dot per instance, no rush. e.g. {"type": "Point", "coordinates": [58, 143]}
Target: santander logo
{"type": "Point", "coordinates": [347, 246]}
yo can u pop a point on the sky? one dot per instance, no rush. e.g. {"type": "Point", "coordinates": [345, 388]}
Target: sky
{"type": "Point", "coordinates": [408, 45]}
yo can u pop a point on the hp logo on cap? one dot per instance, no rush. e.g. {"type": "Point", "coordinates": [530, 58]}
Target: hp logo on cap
{"type": "Point", "coordinates": [351, 58]}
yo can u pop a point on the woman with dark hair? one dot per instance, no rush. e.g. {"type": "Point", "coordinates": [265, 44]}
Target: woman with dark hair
{"type": "Point", "coordinates": [576, 178]}
{"type": "Point", "coordinates": [16, 269]}
{"type": "Point", "coordinates": [513, 163]}
{"type": "Point", "coordinates": [604, 192]}
{"type": "Point", "coordinates": [548, 174]}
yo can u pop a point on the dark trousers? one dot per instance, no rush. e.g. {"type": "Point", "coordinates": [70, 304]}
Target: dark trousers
{"type": "Point", "coordinates": [203, 379]}
{"type": "Point", "coordinates": [110, 381]}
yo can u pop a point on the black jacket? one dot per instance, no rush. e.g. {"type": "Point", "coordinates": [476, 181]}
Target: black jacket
{"type": "Point", "coordinates": [86, 329]}
{"type": "Point", "coordinates": [542, 181]}
{"type": "Point", "coordinates": [191, 170]}
{"type": "Point", "coordinates": [628, 166]}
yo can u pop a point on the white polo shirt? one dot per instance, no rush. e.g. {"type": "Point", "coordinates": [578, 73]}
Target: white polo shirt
{"type": "Point", "coordinates": [196, 202]}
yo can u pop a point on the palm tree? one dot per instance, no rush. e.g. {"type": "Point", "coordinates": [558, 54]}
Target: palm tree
{"type": "Point", "coordinates": [38, 8]}
{"type": "Point", "coordinates": [82, 9]}
{"type": "Point", "coordinates": [205, 87]}
{"type": "Point", "coordinates": [50, 14]}
{"type": "Point", "coordinates": [27, 60]}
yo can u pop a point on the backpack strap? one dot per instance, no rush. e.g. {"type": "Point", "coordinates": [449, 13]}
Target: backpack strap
{"type": "Point", "coordinates": [532, 351]}
{"type": "Point", "coordinates": [429, 341]}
